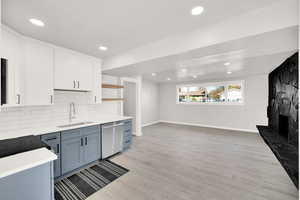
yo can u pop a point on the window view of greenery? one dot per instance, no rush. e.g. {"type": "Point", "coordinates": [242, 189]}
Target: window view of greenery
{"type": "Point", "coordinates": [207, 94]}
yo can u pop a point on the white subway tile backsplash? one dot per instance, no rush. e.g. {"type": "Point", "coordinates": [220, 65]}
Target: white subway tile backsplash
{"type": "Point", "coordinates": [16, 118]}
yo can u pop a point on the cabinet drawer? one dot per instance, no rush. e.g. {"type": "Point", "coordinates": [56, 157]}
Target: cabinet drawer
{"type": "Point", "coordinates": [75, 133]}
{"type": "Point", "coordinates": [126, 144]}
{"type": "Point", "coordinates": [127, 139]}
{"type": "Point", "coordinates": [51, 137]}
{"type": "Point", "coordinates": [127, 133]}
{"type": "Point", "coordinates": [128, 125]}
{"type": "Point", "coordinates": [90, 130]}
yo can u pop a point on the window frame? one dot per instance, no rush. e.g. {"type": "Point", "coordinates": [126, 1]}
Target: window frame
{"type": "Point", "coordinates": [224, 83]}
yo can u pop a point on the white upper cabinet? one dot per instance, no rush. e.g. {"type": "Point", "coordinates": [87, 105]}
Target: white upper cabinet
{"type": "Point", "coordinates": [97, 90]}
{"type": "Point", "coordinates": [11, 44]}
{"type": "Point", "coordinates": [72, 71]}
{"type": "Point", "coordinates": [39, 66]}
{"type": "Point", "coordinates": [30, 70]}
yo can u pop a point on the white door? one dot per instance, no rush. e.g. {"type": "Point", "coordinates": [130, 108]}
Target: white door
{"type": "Point", "coordinates": [38, 73]}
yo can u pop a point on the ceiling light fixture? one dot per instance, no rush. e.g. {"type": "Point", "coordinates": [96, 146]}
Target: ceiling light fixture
{"type": "Point", "coordinates": [103, 48]}
{"type": "Point", "coordinates": [229, 72]}
{"type": "Point", "coordinates": [195, 76]}
{"type": "Point", "coordinates": [168, 79]}
{"type": "Point", "coordinates": [227, 63]}
{"type": "Point", "coordinates": [184, 70]}
{"type": "Point", "coordinates": [198, 10]}
{"type": "Point", "coordinates": [37, 22]}
{"type": "Point", "coordinates": [153, 74]}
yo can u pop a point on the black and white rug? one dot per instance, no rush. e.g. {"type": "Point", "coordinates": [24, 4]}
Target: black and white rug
{"type": "Point", "coordinates": [88, 181]}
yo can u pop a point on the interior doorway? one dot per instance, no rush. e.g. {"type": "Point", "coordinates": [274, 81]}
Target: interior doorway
{"type": "Point", "coordinates": [131, 105]}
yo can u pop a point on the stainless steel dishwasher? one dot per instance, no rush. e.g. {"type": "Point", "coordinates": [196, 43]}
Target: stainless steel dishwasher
{"type": "Point", "coordinates": [112, 138]}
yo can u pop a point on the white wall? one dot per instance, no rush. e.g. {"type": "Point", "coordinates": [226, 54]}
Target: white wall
{"type": "Point", "coordinates": [150, 102]}
{"type": "Point", "coordinates": [243, 117]}
{"type": "Point", "coordinates": [129, 105]}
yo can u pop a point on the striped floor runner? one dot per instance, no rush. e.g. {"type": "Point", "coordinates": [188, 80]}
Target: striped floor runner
{"type": "Point", "coordinates": [86, 182]}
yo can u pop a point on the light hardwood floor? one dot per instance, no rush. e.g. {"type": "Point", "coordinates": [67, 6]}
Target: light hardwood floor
{"type": "Point", "coordinates": [171, 162]}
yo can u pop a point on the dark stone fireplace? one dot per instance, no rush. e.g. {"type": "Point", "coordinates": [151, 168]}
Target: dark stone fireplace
{"type": "Point", "coordinates": [282, 132]}
{"type": "Point", "coordinates": [283, 126]}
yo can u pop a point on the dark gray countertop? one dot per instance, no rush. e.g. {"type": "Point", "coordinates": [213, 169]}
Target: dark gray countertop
{"type": "Point", "coordinates": [19, 145]}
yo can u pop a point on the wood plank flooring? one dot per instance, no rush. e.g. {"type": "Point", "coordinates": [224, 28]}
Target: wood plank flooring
{"type": "Point", "coordinates": [172, 162]}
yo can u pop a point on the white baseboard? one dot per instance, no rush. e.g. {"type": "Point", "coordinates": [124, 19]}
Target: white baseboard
{"type": "Point", "coordinates": [151, 123]}
{"type": "Point", "coordinates": [209, 126]}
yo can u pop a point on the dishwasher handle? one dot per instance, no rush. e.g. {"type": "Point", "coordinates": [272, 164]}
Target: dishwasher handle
{"type": "Point", "coordinates": [111, 126]}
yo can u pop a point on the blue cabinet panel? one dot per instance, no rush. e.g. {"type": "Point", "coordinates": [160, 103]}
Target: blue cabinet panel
{"type": "Point", "coordinates": [92, 142]}
{"type": "Point", "coordinates": [72, 151]}
{"type": "Point", "coordinates": [53, 140]}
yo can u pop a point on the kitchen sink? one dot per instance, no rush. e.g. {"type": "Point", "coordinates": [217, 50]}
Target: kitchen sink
{"type": "Point", "coordinates": [75, 124]}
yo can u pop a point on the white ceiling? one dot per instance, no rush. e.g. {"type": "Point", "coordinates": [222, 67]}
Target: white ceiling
{"type": "Point", "coordinates": [253, 55]}
{"type": "Point", "coordinates": [121, 25]}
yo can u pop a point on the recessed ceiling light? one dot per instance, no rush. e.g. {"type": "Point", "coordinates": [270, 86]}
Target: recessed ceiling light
{"type": "Point", "coordinates": [153, 74]}
{"type": "Point", "coordinates": [37, 22]}
{"type": "Point", "coordinates": [229, 72]}
{"type": "Point", "coordinates": [227, 63]}
{"type": "Point", "coordinates": [195, 76]}
{"type": "Point", "coordinates": [198, 10]}
{"type": "Point", "coordinates": [184, 70]}
{"type": "Point", "coordinates": [168, 79]}
{"type": "Point", "coordinates": [103, 48]}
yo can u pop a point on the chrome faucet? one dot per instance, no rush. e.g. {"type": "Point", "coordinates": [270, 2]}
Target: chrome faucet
{"type": "Point", "coordinates": [72, 112]}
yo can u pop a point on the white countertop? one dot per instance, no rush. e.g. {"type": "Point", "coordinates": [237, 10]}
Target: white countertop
{"type": "Point", "coordinates": [41, 130]}
{"type": "Point", "coordinates": [19, 162]}
{"type": "Point", "coordinates": [22, 161]}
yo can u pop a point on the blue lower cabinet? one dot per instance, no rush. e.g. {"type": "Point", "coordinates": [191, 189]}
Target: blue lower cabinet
{"type": "Point", "coordinates": [92, 142]}
{"type": "Point", "coordinates": [53, 140]}
{"type": "Point", "coordinates": [80, 147]}
{"type": "Point", "coordinates": [72, 150]}
{"type": "Point", "coordinates": [127, 137]}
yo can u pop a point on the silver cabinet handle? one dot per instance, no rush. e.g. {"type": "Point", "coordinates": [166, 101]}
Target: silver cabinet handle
{"type": "Point", "coordinates": [95, 99]}
{"type": "Point", "coordinates": [78, 84]}
{"type": "Point", "coordinates": [86, 140]}
{"type": "Point", "coordinates": [74, 84]}
{"type": "Point", "coordinates": [57, 146]}
{"type": "Point", "coordinates": [51, 99]}
{"type": "Point", "coordinates": [18, 99]}
{"type": "Point", "coordinates": [81, 141]}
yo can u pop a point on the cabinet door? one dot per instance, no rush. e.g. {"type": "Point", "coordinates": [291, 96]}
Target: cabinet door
{"type": "Point", "coordinates": [71, 154]}
{"type": "Point", "coordinates": [12, 50]}
{"type": "Point", "coordinates": [38, 73]}
{"type": "Point", "coordinates": [57, 169]}
{"type": "Point", "coordinates": [72, 71]}
{"type": "Point", "coordinates": [85, 73]}
{"type": "Point", "coordinates": [97, 89]}
{"type": "Point", "coordinates": [92, 147]}
{"type": "Point", "coordinates": [65, 70]}
{"type": "Point", "coordinates": [53, 140]}
{"type": "Point", "coordinates": [107, 140]}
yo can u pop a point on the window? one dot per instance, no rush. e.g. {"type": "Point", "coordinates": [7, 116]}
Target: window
{"type": "Point", "coordinates": [215, 93]}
